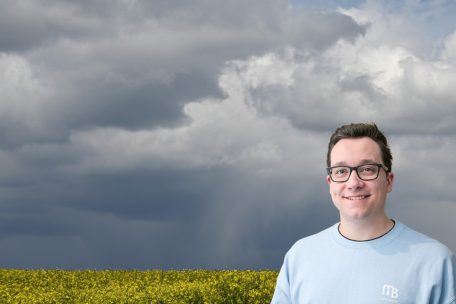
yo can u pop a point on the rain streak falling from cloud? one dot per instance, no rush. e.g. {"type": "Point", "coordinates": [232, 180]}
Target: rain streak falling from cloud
{"type": "Point", "coordinates": [159, 134]}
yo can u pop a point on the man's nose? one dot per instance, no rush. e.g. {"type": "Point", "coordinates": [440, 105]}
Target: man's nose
{"type": "Point", "coordinates": [354, 182]}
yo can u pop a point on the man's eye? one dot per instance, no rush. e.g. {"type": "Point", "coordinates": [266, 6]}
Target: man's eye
{"type": "Point", "coordinates": [368, 169]}
{"type": "Point", "coordinates": [341, 171]}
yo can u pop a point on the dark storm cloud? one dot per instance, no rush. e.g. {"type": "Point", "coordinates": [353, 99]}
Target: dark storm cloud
{"type": "Point", "coordinates": [25, 25]}
{"type": "Point", "coordinates": [142, 106]}
{"type": "Point", "coordinates": [135, 64]}
{"type": "Point", "coordinates": [158, 195]}
{"type": "Point", "coordinates": [210, 218]}
{"type": "Point", "coordinates": [178, 134]}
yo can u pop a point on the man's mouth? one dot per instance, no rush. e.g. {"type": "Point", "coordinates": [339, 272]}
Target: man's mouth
{"type": "Point", "coordinates": [357, 197]}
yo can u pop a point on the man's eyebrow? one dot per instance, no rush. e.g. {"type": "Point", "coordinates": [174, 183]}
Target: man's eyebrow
{"type": "Point", "coordinates": [367, 161]}
{"type": "Point", "coordinates": [362, 162]}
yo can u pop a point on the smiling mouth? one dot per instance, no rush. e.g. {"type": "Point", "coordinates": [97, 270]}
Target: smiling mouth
{"type": "Point", "coordinates": [356, 198]}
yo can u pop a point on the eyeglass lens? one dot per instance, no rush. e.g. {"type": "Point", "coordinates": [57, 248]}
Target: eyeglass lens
{"type": "Point", "coordinates": [365, 172]}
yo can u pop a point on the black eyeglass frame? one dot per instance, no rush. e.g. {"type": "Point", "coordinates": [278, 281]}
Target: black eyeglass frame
{"type": "Point", "coordinates": [329, 169]}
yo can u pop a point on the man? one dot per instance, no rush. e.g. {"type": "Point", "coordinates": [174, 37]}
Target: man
{"type": "Point", "coordinates": [367, 258]}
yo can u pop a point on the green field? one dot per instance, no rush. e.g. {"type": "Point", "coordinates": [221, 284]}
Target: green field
{"type": "Point", "coordinates": [134, 286]}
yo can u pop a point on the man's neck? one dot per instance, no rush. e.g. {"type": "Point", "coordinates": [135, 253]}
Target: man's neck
{"type": "Point", "coordinates": [364, 230]}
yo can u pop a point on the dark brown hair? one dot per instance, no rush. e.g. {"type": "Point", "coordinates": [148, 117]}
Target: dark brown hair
{"type": "Point", "coordinates": [357, 130]}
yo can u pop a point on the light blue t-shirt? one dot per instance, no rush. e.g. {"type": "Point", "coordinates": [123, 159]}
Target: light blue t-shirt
{"type": "Point", "coordinates": [403, 267]}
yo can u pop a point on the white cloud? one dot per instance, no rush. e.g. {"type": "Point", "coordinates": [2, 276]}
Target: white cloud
{"type": "Point", "coordinates": [226, 132]}
{"type": "Point", "coordinates": [277, 104]}
{"type": "Point", "coordinates": [26, 103]}
{"type": "Point", "coordinates": [145, 90]}
{"type": "Point", "coordinates": [18, 87]}
{"type": "Point", "coordinates": [449, 52]}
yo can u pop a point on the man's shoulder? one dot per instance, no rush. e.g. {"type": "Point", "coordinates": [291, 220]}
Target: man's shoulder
{"type": "Point", "coordinates": [315, 240]}
{"type": "Point", "coordinates": [423, 243]}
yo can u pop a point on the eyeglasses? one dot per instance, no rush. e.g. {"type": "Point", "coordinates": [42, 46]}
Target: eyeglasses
{"type": "Point", "coordinates": [340, 174]}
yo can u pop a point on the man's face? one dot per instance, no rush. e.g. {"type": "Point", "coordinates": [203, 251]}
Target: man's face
{"type": "Point", "coordinates": [357, 199]}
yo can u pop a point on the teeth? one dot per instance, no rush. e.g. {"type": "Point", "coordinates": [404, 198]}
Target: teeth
{"type": "Point", "coordinates": [359, 197]}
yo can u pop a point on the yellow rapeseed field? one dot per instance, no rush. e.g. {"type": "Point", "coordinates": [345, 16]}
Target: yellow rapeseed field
{"type": "Point", "coordinates": [134, 286]}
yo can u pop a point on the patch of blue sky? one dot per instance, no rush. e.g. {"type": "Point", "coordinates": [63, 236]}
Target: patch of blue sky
{"type": "Point", "coordinates": [436, 17]}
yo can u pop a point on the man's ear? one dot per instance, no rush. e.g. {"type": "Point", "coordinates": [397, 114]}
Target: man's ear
{"type": "Point", "coordinates": [390, 181]}
{"type": "Point", "coordinates": [328, 180]}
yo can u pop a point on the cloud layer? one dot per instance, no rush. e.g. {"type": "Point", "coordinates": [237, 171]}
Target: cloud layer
{"type": "Point", "coordinates": [141, 134]}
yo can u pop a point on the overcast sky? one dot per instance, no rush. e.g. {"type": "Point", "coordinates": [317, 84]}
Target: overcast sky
{"type": "Point", "coordinates": [193, 134]}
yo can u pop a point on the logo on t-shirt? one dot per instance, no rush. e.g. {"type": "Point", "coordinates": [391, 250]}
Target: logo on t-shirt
{"type": "Point", "coordinates": [390, 293]}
